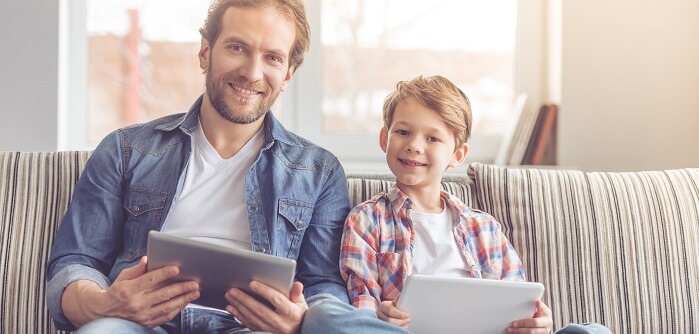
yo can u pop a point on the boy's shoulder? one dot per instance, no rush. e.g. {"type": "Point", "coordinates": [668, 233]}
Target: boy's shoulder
{"type": "Point", "coordinates": [470, 216]}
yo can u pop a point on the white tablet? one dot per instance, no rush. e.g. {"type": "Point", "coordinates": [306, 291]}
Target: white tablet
{"type": "Point", "coordinates": [218, 268]}
{"type": "Point", "coordinates": [466, 305]}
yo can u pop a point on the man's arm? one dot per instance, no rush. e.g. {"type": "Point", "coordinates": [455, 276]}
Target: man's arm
{"type": "Point", "coordinates": [136, 295]}
{"type": "Point", "coordinates": [319, 255]}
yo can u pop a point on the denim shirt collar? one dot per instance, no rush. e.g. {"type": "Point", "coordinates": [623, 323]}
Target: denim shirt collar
{"type": "Point", "coordinates": [273, 129]}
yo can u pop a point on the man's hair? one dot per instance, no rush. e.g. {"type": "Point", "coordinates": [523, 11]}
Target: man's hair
{"type": "Point", "coordinates": [292, 9]}
{"type": "Point", "coordinates": [438, 94]}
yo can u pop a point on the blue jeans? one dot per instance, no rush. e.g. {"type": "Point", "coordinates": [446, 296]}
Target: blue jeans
{"type": "Point", "coordinates": [190, 321]}
{"type": "Point", "coordinates": [332, 316]}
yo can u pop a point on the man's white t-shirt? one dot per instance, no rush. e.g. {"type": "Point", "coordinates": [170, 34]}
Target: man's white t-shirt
{"type": "Point", "coordinates": [434, 249]}
{"type": "Point", "coordinates": [211, 205]}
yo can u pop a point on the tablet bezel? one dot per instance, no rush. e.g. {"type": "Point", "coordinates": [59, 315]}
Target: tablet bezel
{"type": "Point", "coordinates": [458, 304]}
{"type": "Point", "coordinates": [218, 268]}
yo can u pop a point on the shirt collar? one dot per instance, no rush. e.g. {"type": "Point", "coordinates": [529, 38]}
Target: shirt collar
{"type": "Point", "coordinates": [273, 129]}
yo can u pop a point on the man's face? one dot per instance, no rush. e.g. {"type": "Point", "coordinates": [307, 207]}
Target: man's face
{"type": "Point", "coordinates": [248, 66]}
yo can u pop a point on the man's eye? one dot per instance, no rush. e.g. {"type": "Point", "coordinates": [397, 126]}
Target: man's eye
{"type": "Point", "coordinates": [402, 132]}
{"type": "Point", "coordinates": [236, 48]}
{"type": "Point", "coordinates": [275, 59]}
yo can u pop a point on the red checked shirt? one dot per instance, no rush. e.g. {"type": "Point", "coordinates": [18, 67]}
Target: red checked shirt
{"type": "Point", "coordinates": [377, 247]}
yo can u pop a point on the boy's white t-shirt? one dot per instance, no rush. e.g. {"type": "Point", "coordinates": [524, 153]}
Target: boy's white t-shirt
{"type": "Point", "coordinates": [434, 250]}
{"type": "Point", "coordinates": [211, 206]}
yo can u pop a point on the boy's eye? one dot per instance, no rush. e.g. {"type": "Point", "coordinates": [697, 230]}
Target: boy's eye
{"type": "Point", "coordinates": [402, 132]}
{"type": "Point", "coordinates": [433, 139]}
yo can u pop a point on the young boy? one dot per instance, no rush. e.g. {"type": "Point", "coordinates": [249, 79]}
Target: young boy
{"type": "Point", "coordinates": [417, 228]}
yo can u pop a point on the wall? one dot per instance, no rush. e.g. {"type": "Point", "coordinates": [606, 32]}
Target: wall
{"type": "Point", "coordinates": [629, 84]}
{"type": "Point", "coordinates": [28, 75]}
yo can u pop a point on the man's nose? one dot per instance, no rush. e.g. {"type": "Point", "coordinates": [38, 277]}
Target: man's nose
{"type": "Point", "coordinates": [252, 69]}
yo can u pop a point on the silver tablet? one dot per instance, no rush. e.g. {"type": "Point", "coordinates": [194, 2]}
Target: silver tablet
{"type": "Point", "coordinates": [218, 268]}
{"type": "Point", "coordinates": [466, 305]}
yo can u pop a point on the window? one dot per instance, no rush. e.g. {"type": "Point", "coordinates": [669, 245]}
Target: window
{"type": "Point", "coordinates": [142, 64]}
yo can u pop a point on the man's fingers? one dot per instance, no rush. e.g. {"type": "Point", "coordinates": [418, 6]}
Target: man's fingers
{"type": "Point", "coordinates": [134, 272]}
{"type": "Point", "coordinates": [248, 310]}
{"type": "Point", "coordinates": [168, 310]}
{"type": "Point", "coordinates": [173, 291]}
{"type": "Point", "coordinates": [151, 279]}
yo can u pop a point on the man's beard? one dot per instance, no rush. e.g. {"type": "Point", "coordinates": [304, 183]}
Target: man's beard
{"type": "Point", "coordinates": [217, 96]}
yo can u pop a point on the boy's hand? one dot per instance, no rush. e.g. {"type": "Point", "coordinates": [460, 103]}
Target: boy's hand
{"type": "Point", "coordinates": [388, 312]}
{"type": "Point", "coordinates": [540, 323]}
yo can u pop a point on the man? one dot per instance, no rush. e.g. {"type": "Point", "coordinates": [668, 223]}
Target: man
{"type": "Point", "coordinates": [226, 172]}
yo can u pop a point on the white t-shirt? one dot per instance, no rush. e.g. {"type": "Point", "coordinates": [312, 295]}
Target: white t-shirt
{"type": "Point", "coordinates": [434, 249]}
{"type": "Point", "coordinates": [211, 205]}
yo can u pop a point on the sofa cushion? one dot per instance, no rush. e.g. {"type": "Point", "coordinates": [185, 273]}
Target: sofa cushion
{"type": "Point", "coordinates": [621, 249]}
{"type": "Point", "coordinates": [35, 189]}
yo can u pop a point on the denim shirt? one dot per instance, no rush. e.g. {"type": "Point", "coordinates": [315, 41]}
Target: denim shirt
{"type": "Point", "coordinates": [296, 193]}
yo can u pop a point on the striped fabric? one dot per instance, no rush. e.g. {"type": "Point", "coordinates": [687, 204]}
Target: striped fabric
{"type": "Point", "coordinates": [35, 189]}
{"type": "Point", "coordinates": [363, 187]}
{"type": "Point", "coordinates": [621, 249]}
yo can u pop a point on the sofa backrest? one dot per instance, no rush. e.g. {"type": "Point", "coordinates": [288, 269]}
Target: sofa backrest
{"type": "Point", "coordinates": [621, 249]}
{"type": "Point", "coordinates": [35, 189]}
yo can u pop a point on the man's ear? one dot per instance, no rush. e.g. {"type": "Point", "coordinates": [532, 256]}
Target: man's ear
{"type": "Point", "coordinates": [459, 156]}
{"type": "Point", "coordinates": [289, 74]}
{"type": "Point", "coordinates": [204, 54]}
{"type": "Point", "coordinates": [383, 139]}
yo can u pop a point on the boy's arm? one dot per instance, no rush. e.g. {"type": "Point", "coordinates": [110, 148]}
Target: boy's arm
{"type": "Point", "coordinates": [358, 264]}
{"type": "Point", "coordinates": [502, 260]}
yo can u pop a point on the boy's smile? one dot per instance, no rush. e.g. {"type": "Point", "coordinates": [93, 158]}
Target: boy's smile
{"type": "Point", "coordinates": [419, 148]}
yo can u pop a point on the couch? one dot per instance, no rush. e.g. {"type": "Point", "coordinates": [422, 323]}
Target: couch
{"type": "Point", "coordinates": [621, 249]}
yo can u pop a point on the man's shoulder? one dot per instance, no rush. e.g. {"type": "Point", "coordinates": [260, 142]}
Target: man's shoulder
{"type": "Point", "coordinates": [153, 137]}
{"type": "Point", "coordinates": [301, 153]}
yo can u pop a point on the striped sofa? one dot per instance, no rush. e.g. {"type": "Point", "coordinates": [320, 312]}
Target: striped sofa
{"type": "Point", "coordinates": [621, 249]}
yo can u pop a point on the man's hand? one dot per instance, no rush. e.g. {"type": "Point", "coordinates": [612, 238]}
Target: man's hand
{"type": "Point", "coordinates": [285, 318]}
{"type": "Point", "coordinates": [541, 323]}
{"type": "Point", "coordinates": [388, 312]}
{"type": "Point", "coordinates": [136, 295]}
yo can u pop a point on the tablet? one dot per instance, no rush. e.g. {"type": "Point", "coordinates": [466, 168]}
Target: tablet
{"type": "Point", "coordinates": [472, 305]}
{"type": "Point", "coordinates": [218, 268]}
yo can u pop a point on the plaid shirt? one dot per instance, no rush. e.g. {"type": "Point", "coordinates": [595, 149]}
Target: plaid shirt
{"type": "Point", "coordinates": [377, 247]}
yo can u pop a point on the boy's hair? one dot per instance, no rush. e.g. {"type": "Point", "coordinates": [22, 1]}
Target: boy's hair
{"type": "Point", "coordinates": [292, 9]}
{"type": "Point", "coordinates": [439, 94]}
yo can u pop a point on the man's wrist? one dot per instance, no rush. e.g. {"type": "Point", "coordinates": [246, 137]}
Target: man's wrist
{"type": "Point", "coordinates": [82, 302]}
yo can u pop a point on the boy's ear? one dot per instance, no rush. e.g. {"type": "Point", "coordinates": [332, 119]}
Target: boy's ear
{"type": "Point", "coordinates": [459, 156]}
{"type": "Point", "coordinates": [383, 139]}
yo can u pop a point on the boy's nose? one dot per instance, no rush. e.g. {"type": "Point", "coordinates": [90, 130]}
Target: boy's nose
{"type": "Point", "coordinates": [413, 148]}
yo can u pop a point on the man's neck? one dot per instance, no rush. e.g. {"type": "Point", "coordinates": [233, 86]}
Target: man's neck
{"type": "Point", "coordinates": [226, 137]}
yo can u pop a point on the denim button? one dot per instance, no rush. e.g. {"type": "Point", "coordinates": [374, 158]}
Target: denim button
{"type": "Point", "coordinates": [261, 249]}
{"type": "Point", "coordinates": [253, 208]}
{"type": "Point", "coordinates": [299, 224]}
{"type": "Point", "coordinates": [136, 209]}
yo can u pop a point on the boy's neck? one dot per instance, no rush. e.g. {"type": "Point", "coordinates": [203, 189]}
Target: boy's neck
{"type": "Point", "coordinates": [426, 199]}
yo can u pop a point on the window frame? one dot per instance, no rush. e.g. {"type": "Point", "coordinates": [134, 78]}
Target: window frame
{"type": "Point", "coordinates": [302, 112]}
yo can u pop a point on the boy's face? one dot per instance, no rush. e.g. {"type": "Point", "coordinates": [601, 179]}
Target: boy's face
{"type": "Point", "coordinates": [419, 146]}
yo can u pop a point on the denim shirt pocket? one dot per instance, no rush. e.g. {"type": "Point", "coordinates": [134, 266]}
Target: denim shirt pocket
{"type": "Point", "coordinates": [144, 207]}
{"type": "Point", "coordinates": [294, 216]}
